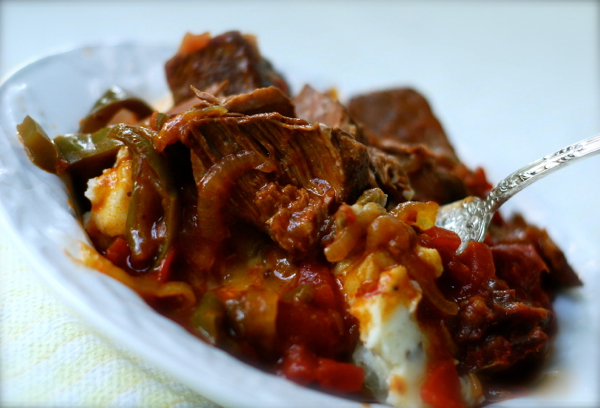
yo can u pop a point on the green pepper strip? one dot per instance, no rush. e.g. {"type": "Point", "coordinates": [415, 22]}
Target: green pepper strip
{"type": "Point", "coordinates": [88, 154]}
{"type": "Point", "coordinates": [108, 105]}
{"type": "Point", "coordinates": [84, 154]}
{"type": "Point", "coordinates": [39, 147]}
{"type": "Point", "coordinates": [151, 175]}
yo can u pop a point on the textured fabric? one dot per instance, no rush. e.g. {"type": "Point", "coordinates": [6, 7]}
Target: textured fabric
{"type": "Point", "coordinates": [49, 357]}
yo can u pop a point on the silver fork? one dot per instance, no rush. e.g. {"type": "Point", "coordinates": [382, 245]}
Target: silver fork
{"type": "Point", "coordinates": [470, 217]}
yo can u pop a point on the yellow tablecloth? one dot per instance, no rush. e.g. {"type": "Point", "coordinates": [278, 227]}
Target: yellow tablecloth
{"type": "Point", "coordinates": [49, 357]}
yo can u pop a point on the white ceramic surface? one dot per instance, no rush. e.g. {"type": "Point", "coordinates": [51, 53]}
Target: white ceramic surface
{"type": "Point", "coordinates": [58, 90]}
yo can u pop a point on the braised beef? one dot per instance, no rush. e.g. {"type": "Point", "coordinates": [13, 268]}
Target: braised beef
{"type": "Point", "coordinates": [517, 231]}
{"type": "Point", "coordinates": [309, 169]}
{"type": "Point", "coordinates": [229, 57]}
{"type": "Point", "coordinates": [317, 107]}
{"type": "Point", "coordinates": [387, 172]}
{"type": "Point", "coordinates": [401, 123]}
{"type": "Point", "coordinates": [432, 178]}
{"type": "Point", "coordinates": [262, 100]}
{"type": "Point", "coordinates": [402, 115]}
{"type": "Point", "coordinates": [402, 170]}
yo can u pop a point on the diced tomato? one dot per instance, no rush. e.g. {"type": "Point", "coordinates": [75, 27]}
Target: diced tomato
{"type": "Point", "coordinates": [477, 183]}
{"type": "Point", "coordinates": [478, 257]}
{"type": "Point", "coordinates": [299, 364]}
{"type": "Point", "coordinates": [519, 264]}
{"type": "Point", "coordinates": [319, 277]}
{"type": "Point", "coordinates": [324, 297]}
{"type": "Point", "coordinates": [349, 213]}
{"type": "Point", "coordinates": [442, 238]}
{"type": "Point", "coordinates": [164, 269]}
{"type": "Point", "coordinates": [312, 273]}
{"type": "Point", "coordinates": [317, 329]}
{"type": "Point", "coordinates": [442, 386]}
{"type": "Point", "coordinates": [466, 273]}
{"type": "Point", "coordinates": [304, 367]}
{"type": "Point", "coordinates": [118, 252]}
{"type": "Point", "coordinates": [339, 377]}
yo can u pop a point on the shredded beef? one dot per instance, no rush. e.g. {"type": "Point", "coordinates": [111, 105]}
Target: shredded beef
{"type": "Point", "coordinates": [387, 173]}
{"type": "Point", "coordinates": [315, 169]}
{"type": "Point", "coordinates": [229, 57]}
{"type": "Point", "coordinates": [300, 217]}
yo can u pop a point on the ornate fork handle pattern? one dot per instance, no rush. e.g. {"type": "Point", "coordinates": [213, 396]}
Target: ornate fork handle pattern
{"type": "Point", "coordinates": [470, 217]}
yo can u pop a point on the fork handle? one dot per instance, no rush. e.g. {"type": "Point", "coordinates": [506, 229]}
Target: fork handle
{"type": "Point", "coordinates": [539, 169]}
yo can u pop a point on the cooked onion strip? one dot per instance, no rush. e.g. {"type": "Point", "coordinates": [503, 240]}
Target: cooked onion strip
{"type": "Point", "coordinates": [145, 286]}
{"type": "Point", "coordinates": [215, 187]}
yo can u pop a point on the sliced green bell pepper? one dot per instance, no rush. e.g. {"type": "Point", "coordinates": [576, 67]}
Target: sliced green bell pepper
{"type": "Point", "coordinates": [83, 154]}
{"type": "Point", "coordinates": [109, 104]}
{"type": "Point", "coordinates": [39, 147]}
{"type": "Point", "coordinates": [152, 182]}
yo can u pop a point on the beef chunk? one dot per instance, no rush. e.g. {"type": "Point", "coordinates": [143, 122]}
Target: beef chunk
{"type": "Point", "coordinates": [502, 324]}
{"type": "Point", "coordinates": [301, 217]}
{"type": "Point", "coordinates": [402, 163]}
{"type": "Point", "coordinates": [401, 123]}
{"type": "Point", "coordinates": [303, 151]}
{"type": "Point", "coordinates": [517, 231]}
{"type": "Point", "coordinates": [229, 57]}
{"type": "Point", "coordinates": [263, 100]}
{"type": "Point", "coordinates": [285, 176]}
{"type": "Point", "coordinates": [402, 115]}
{"type": "Point", "coordinates": [504, 314]}
{"type": "Point", "coordinates": [387, 173]}
{"type": "Point", "coordinates": [317, 107]}
{"type": "Point", "coordinates": [432, 178]}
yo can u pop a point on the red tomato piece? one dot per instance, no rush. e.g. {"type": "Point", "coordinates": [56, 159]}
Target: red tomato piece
{"type": "Point", "coordinates": [164, 269]}
{"type": "Point", "coordinates": [118, 252]}
{"type": "Point", "coordinates": [442, 386]}
{"type": "Point", "coordinates": [443, 238]}
{"type": "Point", "coordinates": [324, 297]}
{"type": "Point", "coordinates": [299, 364]}
{"type": "Point", "coordinates": [478, 257]}
{"type": "Point", "coordinates": [339, 377]}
